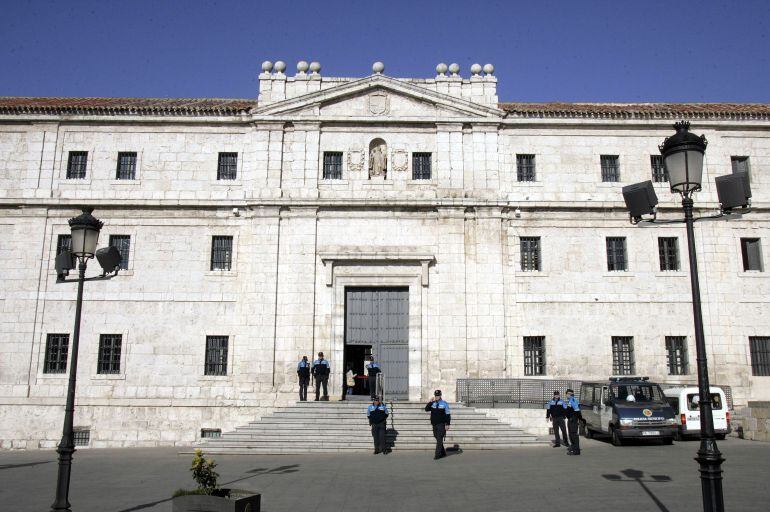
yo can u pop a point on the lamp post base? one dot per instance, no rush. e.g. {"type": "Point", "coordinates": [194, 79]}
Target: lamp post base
{"type": "Point", "coordinates": [710, 460]}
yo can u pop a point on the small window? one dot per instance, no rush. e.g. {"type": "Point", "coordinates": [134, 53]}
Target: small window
{"type": "Point", "coordinates": [216, 355]}
{"type": "Point", "coordinates": [227, 168]}
{"type": "Point", "coordinates": [332, 165]}
{"type": "Point", "coordinates": [525, 167]}
{"type": "Point", "coordinates": [676, 354]}
{"type": "Point", "coordinates": [534, 355]}
{"type": "Point", "coordinates": [126, 166]}
{"type": "Point", "coordinates": [623, 355]}
{"type": "Point", "coordinates": [751, 251]}
{"type": "Point", "coordinates": [659, 172]}
{"type": "Point", "coordinates": [56, 346]}
{"type": "Point", "coordinates": [740, 164]}
{"type": "Point", "coordinates": [760, 355]}
{"type": "Point", "coordinates": [668, 251]}
{"type": "Point", "coordinates": [616, 253]}
{"type": "Point", "coordinates": [63, 243]}
{"type": "Point", "coordinates": [76, 165]}
{"type": "Point", "coordinates": [123, 244]}
{"type": "Point", "coordinates": [530, 253]}
{"type": "Point", "coordinates": [610, 168]}
{"type": "Point", "coordinates": [221, 253]}
{"type": "Point", "coordinates": [421, 166]}
{"type": "Point", "coordinates": [81, 437]}
{"type": "Point", "coordinates": [109, 353]}
{"type": "Point", "coordinates": [211, 433]}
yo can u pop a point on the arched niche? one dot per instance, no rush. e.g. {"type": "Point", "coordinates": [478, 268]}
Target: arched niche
{"type": "Point", "coordinates": [378, 159]}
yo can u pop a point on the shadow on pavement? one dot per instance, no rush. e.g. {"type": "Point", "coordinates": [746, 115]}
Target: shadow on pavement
{"type": "Point", "coordinates": [25, 465]}
{"type": "Point", "coordinates": [635, 475]}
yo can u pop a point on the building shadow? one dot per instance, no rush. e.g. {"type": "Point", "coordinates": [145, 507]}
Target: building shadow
{"type": "Point", "coordinates": [25, 465]}
{"type": "Point", "coordinates": [635, 475]}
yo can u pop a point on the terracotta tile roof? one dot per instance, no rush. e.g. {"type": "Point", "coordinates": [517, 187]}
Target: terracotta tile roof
{"type": "Point", "coordinates": [125, 106]}
{"type": "Point", "coordinates": [639, 110]}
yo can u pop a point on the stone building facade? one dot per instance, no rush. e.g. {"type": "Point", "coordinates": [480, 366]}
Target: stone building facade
{"type": "Point", "coordinates": [492, 219]}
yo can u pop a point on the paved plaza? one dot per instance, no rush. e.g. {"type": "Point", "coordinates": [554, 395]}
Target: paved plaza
{"type": "Point", "coordinates": [631, 478]}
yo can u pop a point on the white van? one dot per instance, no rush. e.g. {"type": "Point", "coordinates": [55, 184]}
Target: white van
{"type": "Point", "coordinates": [685, 402]}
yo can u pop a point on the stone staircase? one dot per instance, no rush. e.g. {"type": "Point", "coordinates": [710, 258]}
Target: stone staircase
{"type": "Point", "coordinates": [330, 427]}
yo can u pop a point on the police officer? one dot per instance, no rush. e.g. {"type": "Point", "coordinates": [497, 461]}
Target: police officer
{"type": "Point", "coordinates": [321, 370]}
{"type": "Point", "coordinates": [303, 372]}
{"type": "Point", "coordinates": [440, 419]}
{"type": "Point", "coordinates": [572, 410]}
{"type": "Point", "coordinates": [555, 413]}
{"type": "Point", "coordinates": [372, 369]}
{"type": "Point", "coordinates": [378, 419]}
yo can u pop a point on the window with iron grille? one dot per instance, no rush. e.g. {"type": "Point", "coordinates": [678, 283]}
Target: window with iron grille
{"type": "Point", "coordinates": [751, 251]}
{"type": "Point", "coordinates": [530, 253]}
{"type": "Point", "coordinates": [534, 355]}
{"type": "Point", "coordinates": [76, 165]}
{"type": "Point", "coordinates": [56, 346]}
{"type": "Point", "coordinates": [740, 164]}
{"type": "Point", "coordinates": [211, 433]}
{"type": "Point", "coordinates": [616, 253]}
{"type": "Point", "coordinates": [109, 353]}
{"type": "Point", "coordinates": [525, 167]}
{"type": "Point", "coordinates": [123, 244]}
{"type": "Point", "coordinates": [126, 166]}
{"type": "Point", "coordinates": [227, 168]}
{"type": "Point", "coordinates": [332, 165]}
{"type": "Point", "coordinates": [421, 166]}
{"type": "Point", "coordinates": [81, 437]}
{"type": "Point", "coordinates": [610, 168]}
{"type": "Point", "coordinates": [221, 252]}
{"type": "Point", "coordinates": [623, 355]}
{"type": "Point", "coordinates": [659, 172]}
{"type": "Point", "coordinates": [760, 355]}
{"type": "Point", "coordinates": [63, 243]}
{"type": "Point", "coordinates": [216, 355]}
{"type": "Point", "coordinates": [668, 250]}
{"type": "Point", "coordinates": [676, 354]}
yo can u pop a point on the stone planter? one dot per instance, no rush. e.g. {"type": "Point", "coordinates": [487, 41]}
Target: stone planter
{"type": "Point", "coordinates": [231, 500]}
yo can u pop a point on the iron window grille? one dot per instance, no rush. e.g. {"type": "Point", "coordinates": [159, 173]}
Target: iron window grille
{"type": "Point", "coordinates": [676, 354]}
{"type": "Point", "coordinates": [751, 252]}
{"type": "Point", "coordinates": [123, 244]}
{"type": "Point", "coordinates": [623, 355]}
{"type": "Point", "coordinates": [659, 172]}
{"type": "Point", "coordinates": [332, 169]}
{"type": "Point", "coordinates": [227, 168]}
{"type": "Point", "coordinates": [56, 347]}
{"type": "Point", "coordinates": [221, 253]}
{"type": "Point", "coordinates": [63, 243]}
{"type": "Point", "coordinates": [668, 250]}
{"type": "Point", "coordinates": [76, 165]}
{"type": "Point", "coordinates": [421, 166]}
{"type": "Point", "coordinates": [740, 164]}
{"type": "Point", "coordinates": [211, 433]}
{"type": "Point", "coordinates": [530, 253]}
{"type": "Point", "coordinates": [610, 168]}
{"type": "Point", "coordinates": [616, 253]}
{"type": "Point", "coordinates": [760, 355]}
{"type": "Point", "coordinates": [534, 355]}
{"type": "Point", "coordinates": [126, 166]}
{"type": "Point", "coordinates": [216, 355]}
{"type": "Point", "coordinates": [525, 167]}
{"type": "Point", "coordinates": [109, 353]}
{"type": "Point", "coordinates": [81, 437]}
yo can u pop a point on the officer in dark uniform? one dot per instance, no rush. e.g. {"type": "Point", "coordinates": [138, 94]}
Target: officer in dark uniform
{"type": "Point", "coordinates": [572, 408]}
{"type": "Point", "coordinates": [303, 372]}
{"type": "Point", "coordinates": [440, 419]}
{"type": "Point", "coordinates": [378, 419]}
{"type": "Point", "coordinates": [555, 413]}
{"type": "Point", "coordinates": [372, 369]}
{"type": "Point", "coordinates": [321, 370]}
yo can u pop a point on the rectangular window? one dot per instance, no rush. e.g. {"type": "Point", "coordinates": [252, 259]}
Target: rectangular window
{"type": "Point", "coordinates": [63, 243]}
{"type": "Point", "coordinates": [56, 346]}
{"type": "Point", "coordinates": [126, 166]}
{"type": "Point", "coordinates": [216, 355]}
{"type": "Point", "coordinates": [610, 168]}
{"type": "Point", "coordinates": [751, 251]}
{"type": "Point", "coordinates": [525, 167]}
{"type": "Point", "coordinates": [211, 433]}
{"type": "Point", "coordinates": [227, 168]}
{"type": "Point", "coordinates": [109, 353]}
{"type": "Point", "coordinates": [616, 253]}
{"type": "Point", "coordinates": [221, 253]}
{"type": "Point", "coordinates": [668, 250]}
{"type": "Point", "coordinates": [421, 166]}
{"type": "Point", "coordinates": [123, 244]}
{"type": "Point", "coordinates": [659, 172]}
{"type": "Point", "coordinates": [332, 165]}
{"type": "Point", "coordinates": [530, 253]}
{"type": "Point", "coordinates": [623, 355]}
{"type": "Point", "coordinates": [760, 355]}
{"type": "Point", "coordinates": [740, 164]}
{"type": "Point", "coordinates": [534, 355]}
{"type": "Point", "coordinates": [76, 165]}
{"type": "Point", "coordinates": [81, 437]}
{"type": "Point", "coordinates": [676, 354]}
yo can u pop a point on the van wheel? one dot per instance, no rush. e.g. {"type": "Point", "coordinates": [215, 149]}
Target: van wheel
{"type": "Point", "coordinates": [678, 436]}
{"type": "Point", "coordinates": [720, 437]}
{"type": "Point", "coordinates": [616, 439]}
{"type": "Point", "coordinates": [589, 434]}
{"type": "Point", "coordinates": [668, 440]}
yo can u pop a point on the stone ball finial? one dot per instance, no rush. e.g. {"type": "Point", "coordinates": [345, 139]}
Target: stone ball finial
{"type": "Point", "coordinates": [476, 69]}
{"type": "Point", "coordinates": [302, 66]}
{"type": "Point", "coordinates": [489, 69]}
{"type": "Point", "coordinates": [280, 66]}
{"type": "Point", "coordinates": [378, 67]}
{"type": "Point", "coordinates": [441, 69]}
{"type": "Point", "coordinates": [315, 67]}
{"type": "Point", "coordinates": [267, 66]}
{"type": "Point", "coordinates": [454, 68]}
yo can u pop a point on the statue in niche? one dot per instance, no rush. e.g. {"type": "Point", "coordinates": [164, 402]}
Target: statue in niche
{"type": "Point", "coordinates": [378, 159]}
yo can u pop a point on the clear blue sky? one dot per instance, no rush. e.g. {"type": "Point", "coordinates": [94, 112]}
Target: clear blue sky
{"type": "Point", "coordinates": [570, 50]}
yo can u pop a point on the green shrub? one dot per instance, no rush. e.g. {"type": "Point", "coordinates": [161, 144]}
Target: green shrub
{"type": "Point", "coordinates": [204, 474]}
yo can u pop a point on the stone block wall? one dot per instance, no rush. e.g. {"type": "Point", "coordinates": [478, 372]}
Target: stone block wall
{"type": "Point", "coordinates": [754, 421]}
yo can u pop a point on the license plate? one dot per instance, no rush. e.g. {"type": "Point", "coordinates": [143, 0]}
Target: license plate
{"type": "Point", "coordinates": [650, 432]}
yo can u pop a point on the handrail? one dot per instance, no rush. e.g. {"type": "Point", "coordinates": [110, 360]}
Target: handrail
{"type": "Point", "coordinates": [380, 387]}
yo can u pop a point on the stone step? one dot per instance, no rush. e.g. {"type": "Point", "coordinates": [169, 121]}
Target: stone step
{"type": "Point", "coordinates": [290, 429]}
{"type": "Point", "coordinates": [367, 434]}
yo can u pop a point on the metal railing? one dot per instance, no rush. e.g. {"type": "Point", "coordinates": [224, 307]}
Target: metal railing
{"type": "Point", "coordinates": [380, 386]}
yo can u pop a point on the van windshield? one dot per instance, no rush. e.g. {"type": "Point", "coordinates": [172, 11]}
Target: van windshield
{"type": "Point", "coordinates": [631, 393]}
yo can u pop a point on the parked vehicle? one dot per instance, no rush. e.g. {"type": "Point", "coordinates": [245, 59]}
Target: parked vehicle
{"type": "Point", "coordinates": [627, 408]}
{"type": "Point", "coordinates": [685, 400]}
